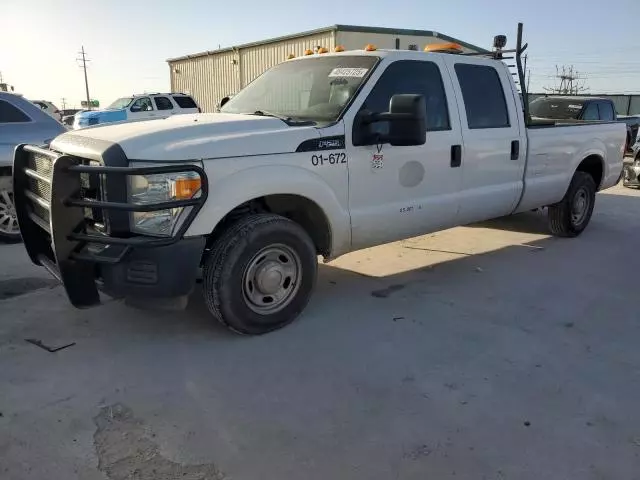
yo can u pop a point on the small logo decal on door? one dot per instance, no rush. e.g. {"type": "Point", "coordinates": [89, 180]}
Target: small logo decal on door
{"type": "Point", "coordinates": [377, 161]}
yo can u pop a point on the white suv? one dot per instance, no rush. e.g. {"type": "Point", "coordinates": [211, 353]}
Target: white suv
{"type": "Point", "coordinates": [139, 107]}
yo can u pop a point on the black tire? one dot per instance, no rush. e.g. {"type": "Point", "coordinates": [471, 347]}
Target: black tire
{"type": "Point", "coordinates": [562, 221]}
{"type": "Point", "coordinates": [226, 265]}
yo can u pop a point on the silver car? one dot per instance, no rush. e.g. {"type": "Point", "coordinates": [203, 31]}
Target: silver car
{"type": "Point", "coordinates": [20, 122]}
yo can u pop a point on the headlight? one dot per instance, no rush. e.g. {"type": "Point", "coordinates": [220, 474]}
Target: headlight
{"type": "Point", "coordinates": [164, 187]}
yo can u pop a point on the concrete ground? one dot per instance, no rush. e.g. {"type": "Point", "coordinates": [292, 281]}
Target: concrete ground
{"type": "Point", "coordinates": [485, 352]}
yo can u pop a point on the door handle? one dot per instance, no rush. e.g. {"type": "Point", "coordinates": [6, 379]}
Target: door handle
{"type": "Point", "coordinates": [456, 156]}
{"type": "Point", "coordinates": [515, 150]}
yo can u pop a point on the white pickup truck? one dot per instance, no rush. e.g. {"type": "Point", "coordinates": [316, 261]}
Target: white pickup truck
{"type": "Point", "coordinates": [321, 155]}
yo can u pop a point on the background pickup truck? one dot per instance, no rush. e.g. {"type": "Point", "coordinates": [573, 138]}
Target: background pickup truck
{"type": "Point", "coordinates": [573, 109]}
{"type": "Point", "coordinates": [321, 155]}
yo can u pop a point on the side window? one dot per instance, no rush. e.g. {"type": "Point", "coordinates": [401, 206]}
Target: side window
{"type": "Point", "coordinates": [163, 103]}
{"type": "Point", "coordinates": [142, 104]}
{"type": "Point", "coordinates": [185, 102]}
{"type": "Point", "coordinates": [11, 114]}
{"type": "Point", "coordinates": [483, 96]}
{"type": "Point", "coordinates": [591, 112]}
{"type": "Point", "coordinates": [415, 77]}
{"type": "Point", "coordinates": [606, 112]}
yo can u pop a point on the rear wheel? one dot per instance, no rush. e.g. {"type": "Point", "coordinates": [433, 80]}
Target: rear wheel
{"type": "Point", "coordinates": [571, 216]}
{"type": "Point", "coordinates": [259, 275]}
{"type": "Point", "coordinates": [9, 230]}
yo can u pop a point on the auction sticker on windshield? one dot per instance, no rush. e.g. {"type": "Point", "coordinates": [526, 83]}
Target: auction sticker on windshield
{"type": "Point", "coordinates": [348, 72]}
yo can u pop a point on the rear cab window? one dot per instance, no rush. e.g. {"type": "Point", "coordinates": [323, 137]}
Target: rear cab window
{"type": "Point", "coordinates": [606, 112]}
{"type": "Point", "coordinates": [184, 101]}
{"type": "Point", "coordinates": [483, 96]}
{"type": "Point", "coordinates": [11, 114]}
{"type": "Point", "coordinates": [591, 112]}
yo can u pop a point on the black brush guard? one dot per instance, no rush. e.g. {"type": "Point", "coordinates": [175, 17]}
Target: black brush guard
{"type": "Point", "coordinates": [58, 220]}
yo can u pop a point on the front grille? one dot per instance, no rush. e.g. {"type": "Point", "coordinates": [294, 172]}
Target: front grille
{"type": "Point", "coordinates": [43, 165]}
{"type": "Point", "coordinates": [89, 187]}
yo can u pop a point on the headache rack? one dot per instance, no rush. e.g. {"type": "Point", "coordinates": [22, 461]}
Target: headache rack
{"type": "Point", "coordinates": [68, 224]}
{"type": "Point", "coordinates": [498, 53]}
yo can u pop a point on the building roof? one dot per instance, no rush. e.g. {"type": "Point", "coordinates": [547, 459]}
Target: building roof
{"type": "Point", "coordinates": [332, 28]}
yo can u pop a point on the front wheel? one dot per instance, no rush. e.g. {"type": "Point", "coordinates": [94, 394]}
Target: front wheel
{"type": "Point", "coordinates": [9, 230]}
{"type": "Point", "coordinates": [571, 216]}
{"type": "Point", "coordinates": [259, 275]}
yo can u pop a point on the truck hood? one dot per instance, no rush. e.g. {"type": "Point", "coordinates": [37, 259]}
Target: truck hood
{"type": "Point", "coordinates": [194, 137]}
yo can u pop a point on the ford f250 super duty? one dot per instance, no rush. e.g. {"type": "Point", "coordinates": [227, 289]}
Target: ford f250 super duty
{"type": "Point", "coordinates": [321, 155]}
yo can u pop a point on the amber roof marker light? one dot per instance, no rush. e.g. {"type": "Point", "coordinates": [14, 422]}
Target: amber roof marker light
{"type": "Point", "coordinates": [449, 47]}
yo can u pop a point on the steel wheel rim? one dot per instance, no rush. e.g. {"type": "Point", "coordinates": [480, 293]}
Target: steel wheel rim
{"type": "Point", "coordinates": [8, 218]}
{"type": "Point", "coordinates": [271, 279]}
{"type": "Point", "coordinates": [580, 206]}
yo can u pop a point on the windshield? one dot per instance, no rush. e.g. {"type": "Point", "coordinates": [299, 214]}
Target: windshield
{"type": "Point", "coordinates": [316, 89]}
{"type": "Point", "coordinates": [121, 103]}
{"type": "Point", "coordinates": [556, 108]}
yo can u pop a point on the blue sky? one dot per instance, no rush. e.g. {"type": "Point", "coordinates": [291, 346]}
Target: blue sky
{"type": "Point", "coordinates": [129, 41]}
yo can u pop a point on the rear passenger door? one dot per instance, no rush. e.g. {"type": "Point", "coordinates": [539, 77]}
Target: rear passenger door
{"type": "Point", "coordinates": [494, 150]}
{"type": "Point", "coordinates": [164, 106]}
{"type": "Point", "coordinates": [15, 128]}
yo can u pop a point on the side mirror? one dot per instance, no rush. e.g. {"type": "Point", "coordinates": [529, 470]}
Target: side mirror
{"type": "Point", "coordinates": [136, 108]}
{"type": "Point", "coordinates": [407, 122]}
{"type": "Point", "coordinates": [224, 101]}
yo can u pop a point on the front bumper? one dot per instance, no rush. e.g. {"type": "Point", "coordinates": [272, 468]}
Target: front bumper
{"type": "Point", "coordinates": [83, 240]}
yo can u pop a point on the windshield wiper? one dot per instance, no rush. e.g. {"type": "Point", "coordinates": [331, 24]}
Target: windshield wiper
{"type": "Point", "coordinates": [288, 120]}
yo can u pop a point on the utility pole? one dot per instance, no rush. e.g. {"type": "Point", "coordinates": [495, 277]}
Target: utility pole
{"type": "Point", "coordinates": [64, 103]}
{"type": "Point", "coordinates": [86, 82]}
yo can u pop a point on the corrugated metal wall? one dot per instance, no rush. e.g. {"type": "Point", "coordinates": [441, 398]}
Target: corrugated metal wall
{"type": "Point", "coordinates": [255, 60]}
{"type": "Point", "coordinates": [210, 78]}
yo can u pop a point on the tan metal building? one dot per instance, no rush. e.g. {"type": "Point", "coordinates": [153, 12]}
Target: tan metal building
{"type": "Point", "coordinates": [209, 76]}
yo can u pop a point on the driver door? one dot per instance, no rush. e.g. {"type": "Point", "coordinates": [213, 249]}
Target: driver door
{"type": "Point", "coordinates": [397, 192]}
{"type": "Point", "coordinates": [140, 109]}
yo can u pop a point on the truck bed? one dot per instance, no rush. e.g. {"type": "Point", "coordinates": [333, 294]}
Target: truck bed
{"type": "Point", "coordinates": [555, 153]}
